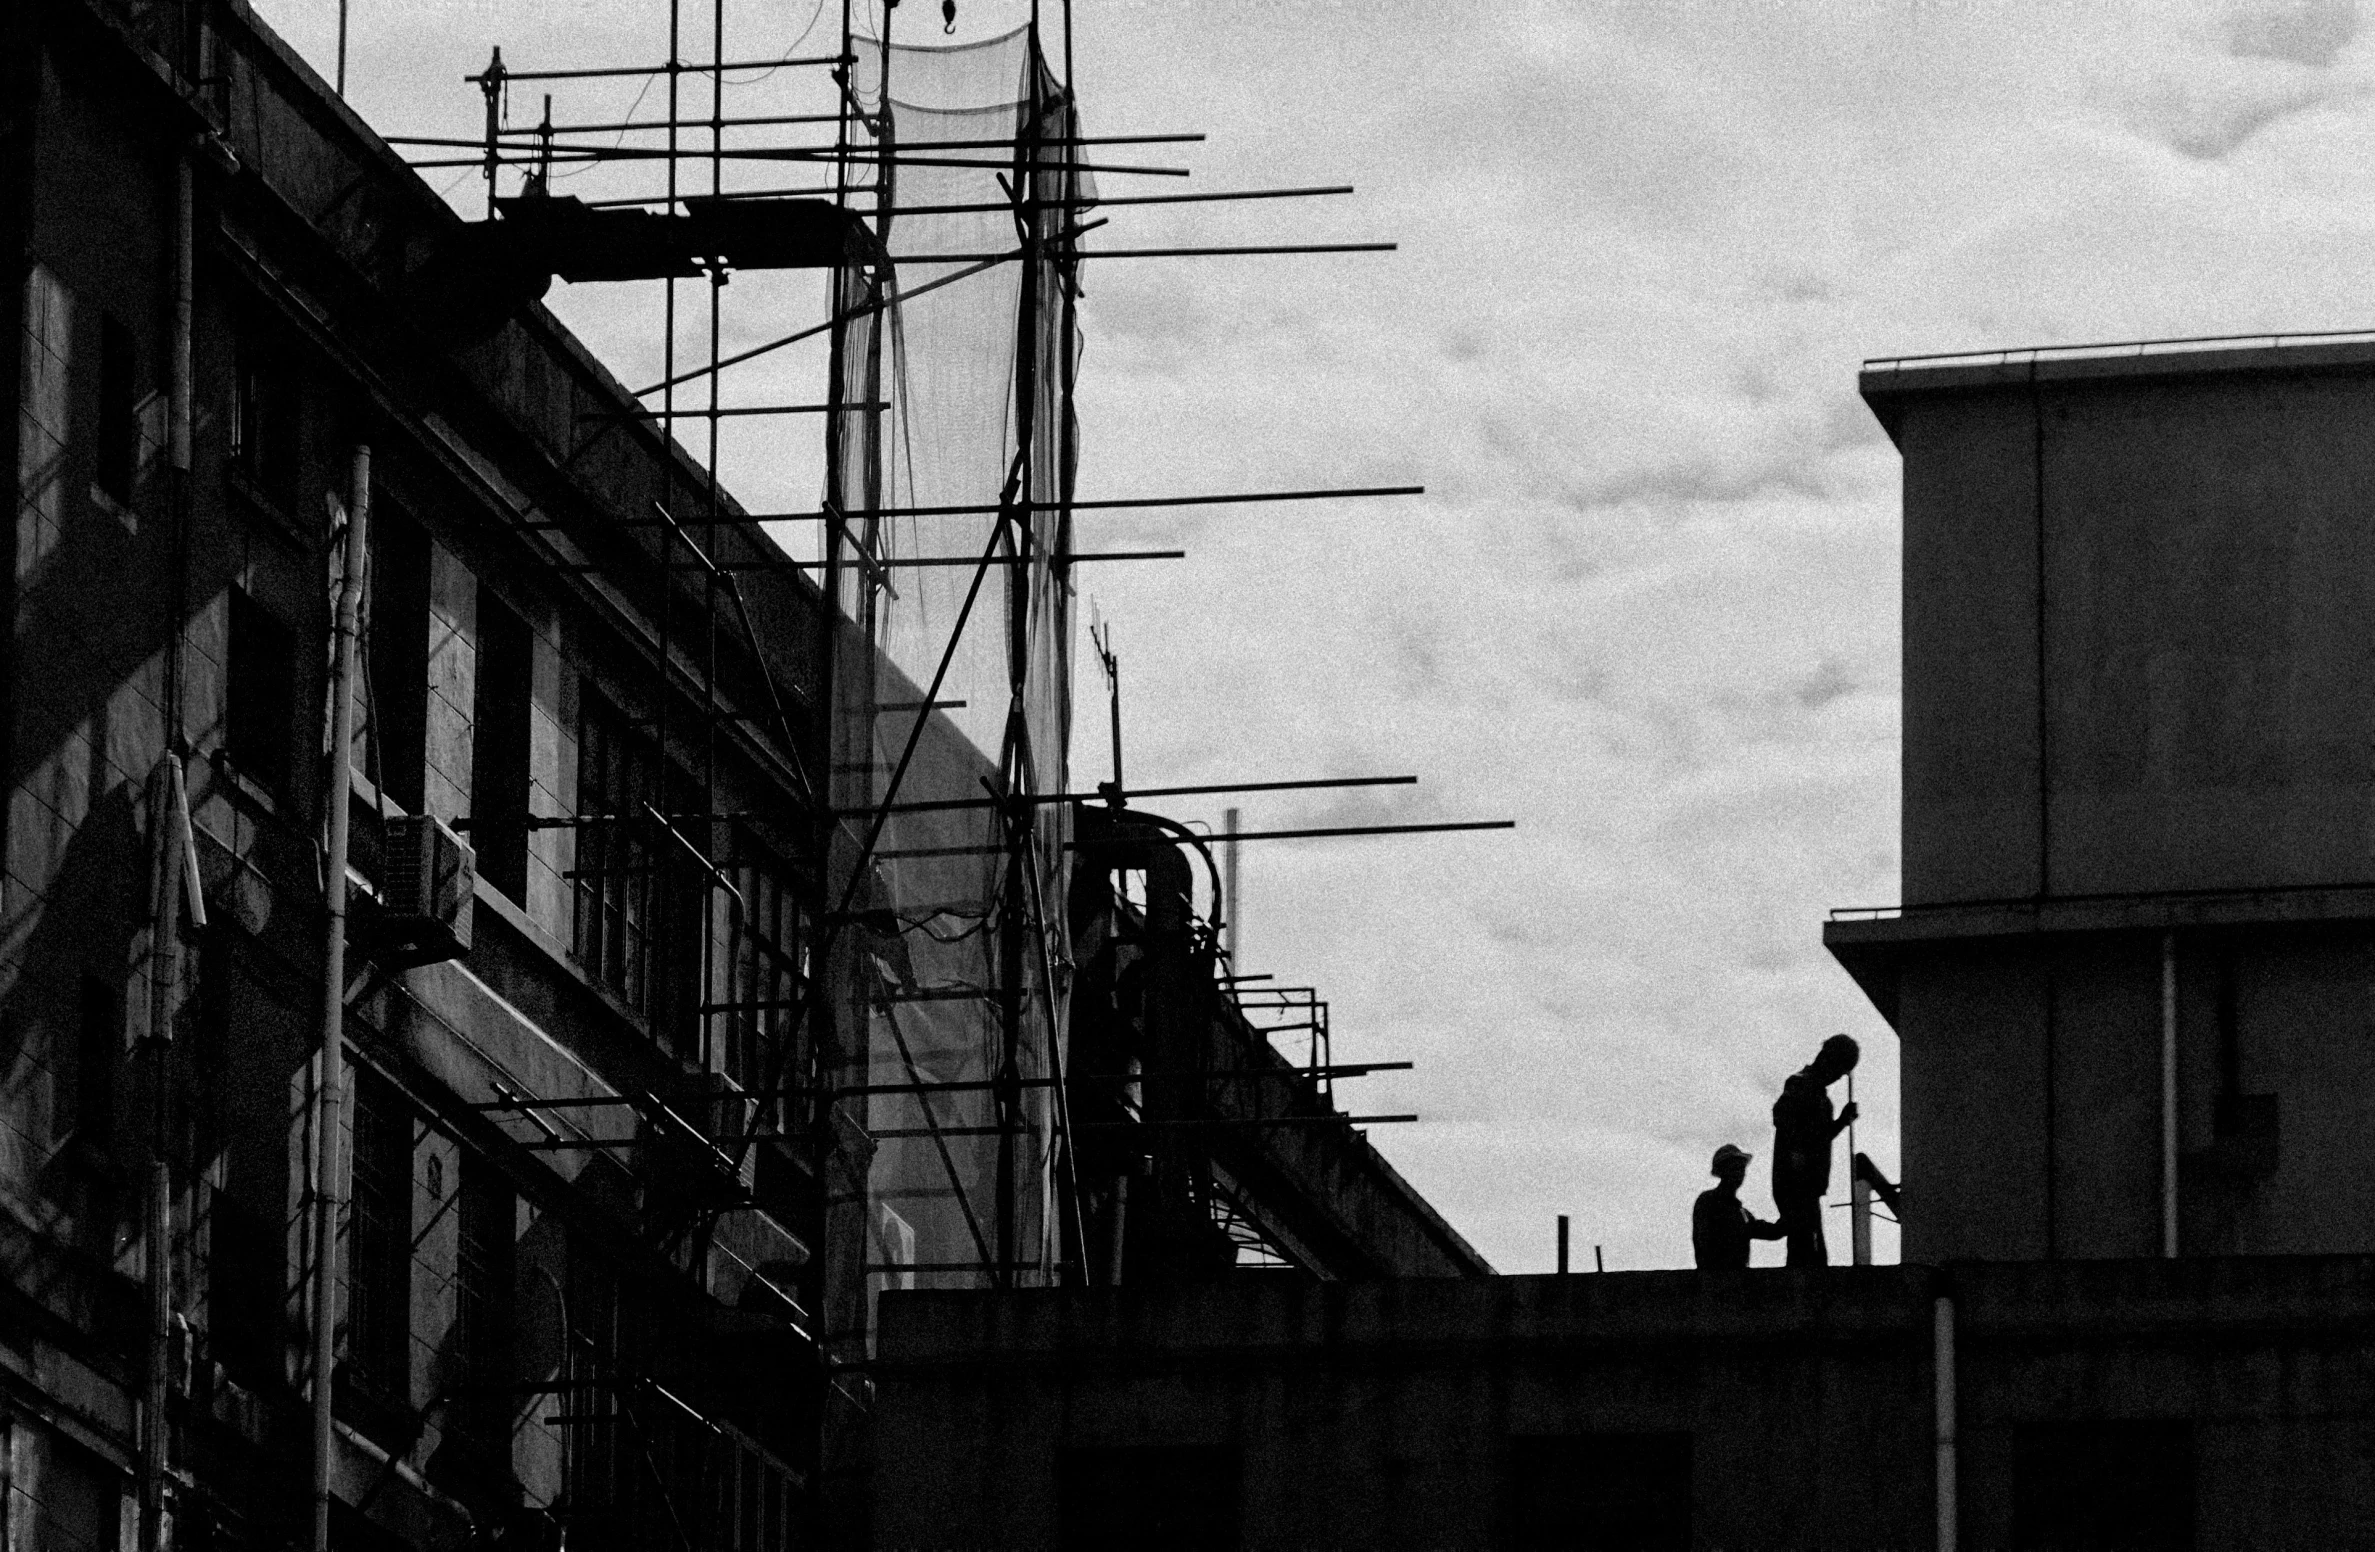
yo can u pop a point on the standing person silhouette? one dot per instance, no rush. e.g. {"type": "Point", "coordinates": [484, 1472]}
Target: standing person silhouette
{"type": "Point", "coordinates": [1721, 1226]}
{"type": "Point", "coordinates": [1803, 1127]}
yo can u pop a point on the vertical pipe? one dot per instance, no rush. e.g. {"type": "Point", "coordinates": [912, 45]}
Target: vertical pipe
{"type": "Point", "coordinates": [1562, 1244]}
{"type": "Point", "coordinates": [2168, 1094]}
{"type": "Point", "coordinates": [165, 973]}
{"type": "Point", "coordinates": [1859, 1193]}
{"type": "Point", "coordinates": [1942, 1381]}
{"type": "Point", "coordinates": [1228, 855]}
{"type": "Point", "coordinates": [1121, 1230]}
{"type": "Point", "coordinates": [328, 1185]}
{"type": "Point", "coordinates": [2044, 724]}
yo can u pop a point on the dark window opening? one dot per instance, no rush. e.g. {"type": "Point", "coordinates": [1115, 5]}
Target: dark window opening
{"type": "Point", "coordinates": [377, 1371]}
{"type": "Point", "coordinates": [261, 688]}
{"type": "Point", "coordinates": [98, 1041]}
{"type": "Point", "coordinates": [638, 916]}
{"type": "Point", "coordinates": [1608, 1490]}
{"type": "Point", "coordinates": [76, 1501]}
{"type": "Point", "coordinates": [499, 770]}
{"type": "Point", "coordinates": [245, 1291]}
{"type": "Point", "coordinates": [2103, 1485]}
{"type": "Point", "coordinates": [397, 662]}
{"type": "Point", "coordinates": [265, 424]}
{"type": "Point", "coordinates": [483, 1271]}
{"type": "Point", "coordinates": [1147, 1495]}
{"type": "Point", "coordinates": [119, 412]}
{"type": "Point", "coordinates": [639, 1475]}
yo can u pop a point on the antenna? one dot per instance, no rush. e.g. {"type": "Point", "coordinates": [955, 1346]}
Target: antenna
{"type": "Point", "coordinates": [1102, 635]}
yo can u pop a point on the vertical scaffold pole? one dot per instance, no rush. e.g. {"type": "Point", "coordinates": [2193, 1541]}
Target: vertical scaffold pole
{"type": "Point", "coordinates": [1014, 917]}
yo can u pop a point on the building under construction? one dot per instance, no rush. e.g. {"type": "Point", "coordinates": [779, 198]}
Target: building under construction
{"type": "Point", "coordinates": [505, 963]}
{"type": "Point", "coordinates": [540, 1005]}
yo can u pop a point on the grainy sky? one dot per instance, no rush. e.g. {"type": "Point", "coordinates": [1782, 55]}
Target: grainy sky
{"type": "Point", "coordinates": [1648, 607]}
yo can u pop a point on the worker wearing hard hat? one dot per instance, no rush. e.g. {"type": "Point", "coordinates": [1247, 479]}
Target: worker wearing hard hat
{"type": "Point", "coordinates": [1721, 1225]}
{"type": "Point", "coordinates": [1803, 1127]}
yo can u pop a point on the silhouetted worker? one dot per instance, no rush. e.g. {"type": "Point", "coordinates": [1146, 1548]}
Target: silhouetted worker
{"type": "Point", "coordinates": [1721, 1225]}
{"type": "Point", "coordinates": [1803, 1127]}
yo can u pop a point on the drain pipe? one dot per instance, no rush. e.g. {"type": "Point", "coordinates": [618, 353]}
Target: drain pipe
{"type": "Point", "coordinates": [329, 1181]}
{"type": "Point", "coordinates": [1942, 1384]}
{"type": "Point", "coordinates": [2168, 1094]}
{"type": "Point", "coordinates": [168, 807]}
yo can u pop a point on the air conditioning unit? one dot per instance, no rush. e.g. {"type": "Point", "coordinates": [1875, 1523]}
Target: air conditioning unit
{"type": "Point", "coordinates": [425, 893]}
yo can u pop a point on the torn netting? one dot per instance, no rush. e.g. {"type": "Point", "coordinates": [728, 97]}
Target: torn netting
{"type": "Point", "coordinates": [939, 987]}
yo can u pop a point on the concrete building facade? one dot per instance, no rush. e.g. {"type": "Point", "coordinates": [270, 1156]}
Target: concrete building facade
{"type": "Point", "coordinates": [2213, 1403]}
{"type": "Point", "coordinates": [2131, 973]}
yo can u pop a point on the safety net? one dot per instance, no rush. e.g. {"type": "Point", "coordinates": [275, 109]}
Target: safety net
{"type": "Point", "coordinates": [949, 470]}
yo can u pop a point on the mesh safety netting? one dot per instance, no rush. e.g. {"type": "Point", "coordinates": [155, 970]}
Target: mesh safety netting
{"type": "Point", "coordinates": [953, 445]}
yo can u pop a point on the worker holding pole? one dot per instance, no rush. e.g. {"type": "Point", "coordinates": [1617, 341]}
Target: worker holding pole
{"type": "Point", "coordinates": [1803, 1127]}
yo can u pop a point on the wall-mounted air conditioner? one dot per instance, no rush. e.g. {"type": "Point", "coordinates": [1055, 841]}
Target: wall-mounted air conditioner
{"type": "Point", "coordinates": [425, 894]}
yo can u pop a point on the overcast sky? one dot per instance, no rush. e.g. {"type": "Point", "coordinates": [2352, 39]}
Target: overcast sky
{"type": "Point", "coordinates": [1648, 607]}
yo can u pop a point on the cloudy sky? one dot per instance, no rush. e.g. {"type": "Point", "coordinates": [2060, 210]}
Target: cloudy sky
{"type": "Point", "coordinates": [1648, 607]}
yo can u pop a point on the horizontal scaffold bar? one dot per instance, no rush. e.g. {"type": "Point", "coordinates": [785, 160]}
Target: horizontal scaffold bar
{"type": "Point", "coordinates": [1251, 1122]}
{"type": "Point", "coordinates": [670, 67]}
{"type": "Point", "coordinates": [1329, 830]}
{"type": "Point", "coordinates": [1152, 253]}
{"type": "Point", "coordinates": [1083, 202]}
{"type": "Point", "coordinates": [577, 156]}
{"type": "Point", "coordinates": [1230, 1074]}
{"type": "Point", "coordinates": [1108, 503]}
{"type": "Point", "coordinates": [963, 1086]}
{"type": "Point", "coordinates": [1081, 557]}
{"type": "Point", "coordinates": [1105, 794]}
{"type": "Point", "coordinates": [644, 412]}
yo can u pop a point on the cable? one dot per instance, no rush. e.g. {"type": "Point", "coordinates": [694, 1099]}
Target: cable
{"type": "Point", "coordinates": [790, 49]}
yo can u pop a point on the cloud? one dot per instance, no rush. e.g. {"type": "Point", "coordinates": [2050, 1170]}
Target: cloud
{"type": "Point", "coordinates": [2302, 32]}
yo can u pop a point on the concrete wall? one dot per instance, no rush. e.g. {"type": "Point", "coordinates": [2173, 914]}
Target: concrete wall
{"type": "Point", "coordinates": [2136, 590]}
{"type": "Point", "coordinates": [1385, 1414]}
{"type": "Point", "coordinates": [90, 598]}
{"type": "Point", "coordinates": [2206, 570]}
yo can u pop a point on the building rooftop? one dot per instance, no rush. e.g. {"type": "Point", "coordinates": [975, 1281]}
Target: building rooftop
{"type": "Point", "coordinates": [1888, 379]}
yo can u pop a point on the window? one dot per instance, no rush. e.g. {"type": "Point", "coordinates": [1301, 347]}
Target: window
{"type": "Point", "coordinates": [119, 412]}
{"type": "Point", "coordinates": [73, 1503]}
{"type": "Point", "coordinates": [397, 661]}
{"type": "Point", "coordinates": [762, 972]}
{"type": "Point", "coordinates": [2128, 1485]}
{"type": "Point", "coordinates": [632, 1472]}
{"type": "Point", "coordinates": [638, 891]}
{"type": "Point", "coordinates": [1615, 1490]}
{"type": "Point", "coordinates": [483, 1271]}
{"type": "Point", "coordinates": [1147, 1495]}
{"type": "Point", "coordinates": [264, 422]}
{"type": "Point", "coordinates": [98, 1041]}
{"type": "Point", "coordinates": [245, 1289]}
{"type": "Point", "coordinates": [379, 1244]}
{"type": "Point", "coordinates": [261, 688]}
{"type": "Point", "coordinates": [499, 747]}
